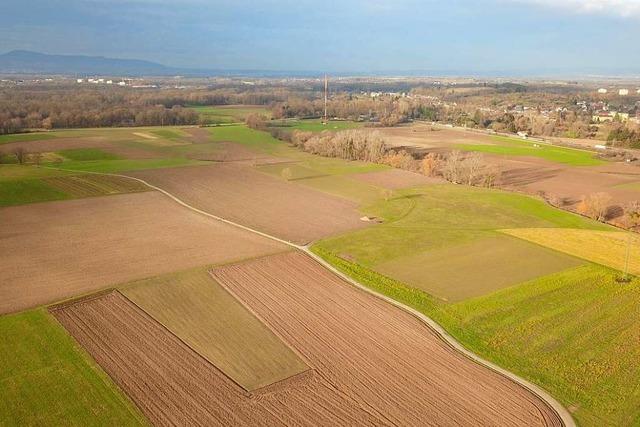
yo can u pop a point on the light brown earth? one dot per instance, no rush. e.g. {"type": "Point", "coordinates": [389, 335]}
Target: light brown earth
{"type": "Point", "coordinates": [395, 178]}
{"type": "Point", "coordinates": [373, 364]}
{"type": "Point", "coordinates": [232, 152]}
{"type": "Point", "coordinates": [374, 353]}
{"type": "Point", "coordinates": [241, 194]}
{"type": "Point", "coordinates": [56, 250]}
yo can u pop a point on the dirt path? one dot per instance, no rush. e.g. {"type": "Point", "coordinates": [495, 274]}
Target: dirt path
{"type": "Point", "coordinates": [561, 412]}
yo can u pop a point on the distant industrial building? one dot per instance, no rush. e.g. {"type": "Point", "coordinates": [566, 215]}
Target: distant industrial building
{"type": "Point", "coordinates": [602, 90]}
{"type": "Point", "coordinates": [623, 92]}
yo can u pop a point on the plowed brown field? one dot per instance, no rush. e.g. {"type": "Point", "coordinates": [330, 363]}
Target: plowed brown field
{"type": "Point", "coordinates": [396, 178]}
{"type": "Point", "coordinates": [373, 364]}
{"type": "Point", "coordinates": [55, 250]}
{"type": "Point", "coordinates": [268, 204]}
{"type": "Point", "coordinates": [375, 354]}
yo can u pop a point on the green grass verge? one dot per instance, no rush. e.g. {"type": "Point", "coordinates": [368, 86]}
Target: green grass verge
{"type": "Point", "coordinates": [24, 137]}
{"type": "Point", "coordinates": [46, 379]}
{"type": "Point", "coordinates": [574, 333]}
{"type": "Point", "coordinates": [316, 125]}
{"type": "Point", "coordinates": [259, 140]}
{"type": "Point", "coordinates": [84, 154]}
{"type": "Point", "coordinates": [228, 113]}
{"type": "Point", "coordinates": [19, 192]}
{"type": "Point", "coordinates": [110, 166]}
{"type": "Point", "coordinates": [516, 147]}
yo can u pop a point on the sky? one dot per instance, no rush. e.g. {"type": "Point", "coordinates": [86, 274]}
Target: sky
{"type": "Point", "coordinates": [457, 36]}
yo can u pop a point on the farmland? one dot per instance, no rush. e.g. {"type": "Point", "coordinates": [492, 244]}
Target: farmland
{"type": "Point", "coordinates": [52, 259]}
{"type": "Point", "coordinates": [268, 204]}
{"type": "Point", "coordinates": [45, 377]}
{"type": "Point", "coordinates": [277, 339]}
{"type": "Point", "coordinates": [222, 114]}
{"type": "Point", "coordinates": [528, 166]}
{"type": "Point", "coordinates": [306, 306]}
{"type": "Point", "coordinates": [212, 322]}
{"type": "Point", "coordinates": [608, 248]}
{"type": "Point", "coordinates": [516, 147]}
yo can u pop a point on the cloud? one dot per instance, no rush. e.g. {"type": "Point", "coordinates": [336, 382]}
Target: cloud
{"type": "Point", "coordinates": [623, 8]}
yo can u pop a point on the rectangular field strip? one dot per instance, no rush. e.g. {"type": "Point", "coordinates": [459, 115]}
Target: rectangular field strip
{"type": "Point", "coordinates": [211, 321]}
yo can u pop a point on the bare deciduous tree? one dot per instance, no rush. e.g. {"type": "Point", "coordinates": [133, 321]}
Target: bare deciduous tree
{"type": "Point", "coordinates": [20, 154]}
{"type": "Point", "coordinates": [431, 164]}
{"type": "Point", "coordinates": [632, 214]}
{"type": "Point", "coordinates": [452, 168]}
{"type": "Point", "coordinates": [595, 206]}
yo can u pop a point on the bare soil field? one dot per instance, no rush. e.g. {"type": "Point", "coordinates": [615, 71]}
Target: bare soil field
{"type": "Point", "coordinates": [372, 363]}
{"type": "Point", "coordinates": [254, 199]}
{"type": "Point", "coordinates": [216, 325]}
{"type": "Point", "coordinates": [173, 385]}
{"type": "Point", "coordinates": [56, 250]}
{"type": "Point", "coordinates": [374, 353]}
{"type": "Point", "coordinates": [234, 152]}
{"type": "Point", "coordinates": [102, 142]}
{"type": "Point", "coordinates": [394, 179]}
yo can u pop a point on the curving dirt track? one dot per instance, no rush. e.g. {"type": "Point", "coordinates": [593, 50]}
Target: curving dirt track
{"type": "Point", "coordinates": [256, 200]}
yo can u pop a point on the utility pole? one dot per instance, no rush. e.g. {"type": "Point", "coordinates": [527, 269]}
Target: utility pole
{"type": "Point", "coordinates": [326, 90]}
{"type": "Point", "coordinates": [626, 258]}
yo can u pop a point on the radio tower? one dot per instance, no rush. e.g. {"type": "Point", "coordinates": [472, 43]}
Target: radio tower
{"type": "Point", "coordinates": [326, 90]}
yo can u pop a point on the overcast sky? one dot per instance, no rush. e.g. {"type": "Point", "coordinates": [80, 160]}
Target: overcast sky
{"type": "Point", "coordinates": [529, 36]}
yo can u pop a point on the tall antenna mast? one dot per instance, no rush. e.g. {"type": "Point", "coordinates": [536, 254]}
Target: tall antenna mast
{"type": "Point", "coordinates": [326, 90]}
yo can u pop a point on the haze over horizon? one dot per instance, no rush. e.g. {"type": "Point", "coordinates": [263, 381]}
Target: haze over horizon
{"type": "Point", "coordinates": [511, 36]}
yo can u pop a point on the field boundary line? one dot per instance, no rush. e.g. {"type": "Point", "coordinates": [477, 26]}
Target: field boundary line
{"type": "Point", "coordinates": [563, 414]}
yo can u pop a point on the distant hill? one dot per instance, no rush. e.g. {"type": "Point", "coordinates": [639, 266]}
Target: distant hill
{"type": "Point", "coordinates": [26, 62]}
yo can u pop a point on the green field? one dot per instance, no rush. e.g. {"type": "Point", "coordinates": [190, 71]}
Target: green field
{"type": "Point", "coordinates": [518, 147]}
{"type": "Point", "coordinates": [46, 379]}
{"type": "Point", "coordinates": [608, 248]}
{"type": "Point", "coordinates": [112, 166]}
{"type": "Point", "coordinates": [439, 216]}
{"type": "Point", "coordinates": [222, 114]}
{"type": "Point", "coordinates": [18, 192]}
{"type": "Point", "coordinates": [316, 125]}
{"type": "Point", "coordinates": [202, 313]}
{"type": "Point", "coordinates": [261, 141]}
{"type": "Point", "coordinates": [84, 154]}
{"type": "Point", "coordinates": [24, 137]}
{"type": "Point", "coordinates": [476, 268]}
{"type": "Point", "coordinates": [21, 184]}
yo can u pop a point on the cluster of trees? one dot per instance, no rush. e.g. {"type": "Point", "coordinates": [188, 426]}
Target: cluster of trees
{"type": "Point", "coordinates": [21, 110]}
{"type": "Point", "coordinates": [358, 144]}
{"type": "Point", "coordinates": [625, 137]}
{"type": "Point", "coordinates": [386, 110]}
{"type": "Point", "coordinates": [348, 144]}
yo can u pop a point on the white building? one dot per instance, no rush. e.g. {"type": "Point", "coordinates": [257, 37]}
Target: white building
{"type": "Point", "coordinates": [109, 82]}
{"type": "Point", "coordinates": [602, 90]}
{"type": "Point", "coordinates": [623, 92]}
{"type": "Point", "coordinates": [80, 80]}
{"type": "Point", "coordinates": [122, 83]}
